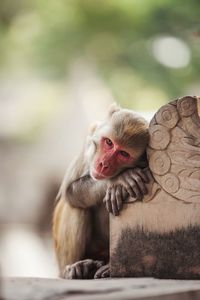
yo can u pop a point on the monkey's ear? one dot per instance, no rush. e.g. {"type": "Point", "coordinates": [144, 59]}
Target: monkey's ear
{"type": "Point", "coordinates": [114, 107]}
{"type": "Point", "coordinates": [93, 127]}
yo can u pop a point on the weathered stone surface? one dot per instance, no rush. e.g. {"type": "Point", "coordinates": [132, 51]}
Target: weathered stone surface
{"type": "Point", "coordinates": [116, 289]}
{"type": "Point", "coordinates": [160, 236]}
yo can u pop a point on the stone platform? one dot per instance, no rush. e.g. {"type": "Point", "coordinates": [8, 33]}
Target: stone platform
{"type": "Point", "coordinates": [116, 289]}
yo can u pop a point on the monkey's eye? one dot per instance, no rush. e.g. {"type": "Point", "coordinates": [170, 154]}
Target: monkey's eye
{"type": "Point", "coordinates": [109, 142]}
{"type": "Point", "coordinates": [124, 154]}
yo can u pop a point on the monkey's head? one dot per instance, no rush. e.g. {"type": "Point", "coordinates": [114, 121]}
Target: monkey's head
{"type": "Point", "coordinates": [117, 143]}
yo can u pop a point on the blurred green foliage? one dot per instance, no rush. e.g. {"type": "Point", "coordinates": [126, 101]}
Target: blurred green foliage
{"type": "Point", "coordinates": [115, 36]}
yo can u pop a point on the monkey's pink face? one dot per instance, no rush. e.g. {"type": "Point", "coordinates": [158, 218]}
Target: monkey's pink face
{"type": "Point", "coordinates": [110, 160]}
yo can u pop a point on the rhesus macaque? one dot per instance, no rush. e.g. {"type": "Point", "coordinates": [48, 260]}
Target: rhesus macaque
{"type": "Point", "coordinates": [108, 170]}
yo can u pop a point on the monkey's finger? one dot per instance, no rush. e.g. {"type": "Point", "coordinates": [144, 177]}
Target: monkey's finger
{"type": "Point", "coordinates": [78, 271]}
{"type": "Point", "coordinates": [106, 273]}
{"type": "Point", "coordinates": [137, 192]}
{"type": "Point", "coordinates": [85, 271]}
{"type": "Point", "coordinates": [114, 203]}
{"type": "Point", "coordinates": [106, 198]}
{"type": "Point", "coordinates": [129, 189]}
{"type": "Point", "coordinates": [108, 194]}
{"type": "Point", "coordinates": [107, 202]}
{"type": "Point", "coordinates": [108, 205]}
{"type": "Point", "coordinates": [119, 198]}
{"type": "Point", "coordinates": [132, 188]}
{"type": "Point", "coordinates": [89, 267]}
{"type": "Point", "coordinates": [135, 189]}
{"type": "Point", "coordinates": [124, 194]}
{"type": "Point", "coordinates": [100, 272]}
{"type": "Point", "coordinates": [97, 274]}
{"type": "Point", "coordinates": [140, 184]}
{"type": "Point", "coordinates": [143, 173]}
{"type": "Point", "coordinates": [69, 272]}
{"type": "Point", "coordinates": [72, 274]}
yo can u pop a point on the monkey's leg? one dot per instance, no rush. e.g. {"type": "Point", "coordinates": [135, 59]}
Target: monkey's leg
{"type": "Point", "coordinates": [71, 231]}
{"type": "Point", "coordinates": [103, 272]}
{"type": "Point", "coordinates": [84, 269]}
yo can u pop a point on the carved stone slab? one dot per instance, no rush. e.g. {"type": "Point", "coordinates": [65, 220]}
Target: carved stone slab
{"type": "Point", "coordinates": [160, 236]}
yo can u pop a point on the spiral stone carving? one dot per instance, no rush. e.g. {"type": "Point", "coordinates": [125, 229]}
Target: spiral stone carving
{"type": "Point", "coordinates": [170, 183]}
{"type": "Point", "coordinates": [159, 137]}
{"type": "Point", "coordinates": [186, 106]}
{"type": "Point", "coordinates": [167, 116]}
{"type": "Point", "coordinates": [159, 162]}
{"type": "Point", "coordinates": [173, 125]}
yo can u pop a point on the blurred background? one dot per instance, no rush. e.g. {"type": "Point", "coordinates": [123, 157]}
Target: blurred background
{"type": "Point", "coordinates": [62, 62]}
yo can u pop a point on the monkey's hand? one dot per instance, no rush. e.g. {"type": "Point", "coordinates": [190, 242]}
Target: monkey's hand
{"type": "Point", "coordinates": [83, 269]}
{"type": "Point", "coordinates": [114, 198]}
{"type": "Point", "coordinates": [103, 272]}
{"type": "Point", "coordinates": [134, 182]}
{"type": "Point", "coordinates": [129, 183]}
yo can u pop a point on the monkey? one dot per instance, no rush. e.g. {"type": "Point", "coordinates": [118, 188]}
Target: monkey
{"type": "Point", "coordinates": [109, 169]}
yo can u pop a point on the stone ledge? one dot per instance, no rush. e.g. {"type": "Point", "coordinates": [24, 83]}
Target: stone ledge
{"type": "Point", "coordinates": [116, 289]}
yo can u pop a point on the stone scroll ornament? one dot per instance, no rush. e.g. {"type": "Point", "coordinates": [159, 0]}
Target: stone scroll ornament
{"type": "Point", "coordinates": [160, 236]}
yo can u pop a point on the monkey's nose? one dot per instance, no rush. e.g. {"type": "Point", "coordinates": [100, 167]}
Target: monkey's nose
{"type": "Point", "coordinates": [104, 165]}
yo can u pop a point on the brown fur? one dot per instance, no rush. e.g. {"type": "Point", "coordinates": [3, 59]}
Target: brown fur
{"type": "Point", "coordinates": [130, 130]}
{"type": "Point", "coordinates": [76, 235]}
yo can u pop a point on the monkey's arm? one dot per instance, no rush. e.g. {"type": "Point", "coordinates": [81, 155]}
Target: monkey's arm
{"type": "Point", "coordinates": [85, 192]}
{"type": "Point", "coordinates": [79, 188]}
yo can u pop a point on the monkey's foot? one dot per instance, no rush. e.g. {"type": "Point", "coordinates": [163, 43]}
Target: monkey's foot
{"type": "Point", "coordinates": [83, 269]}
{"type": "Point", "coordinates": [103, 272]}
